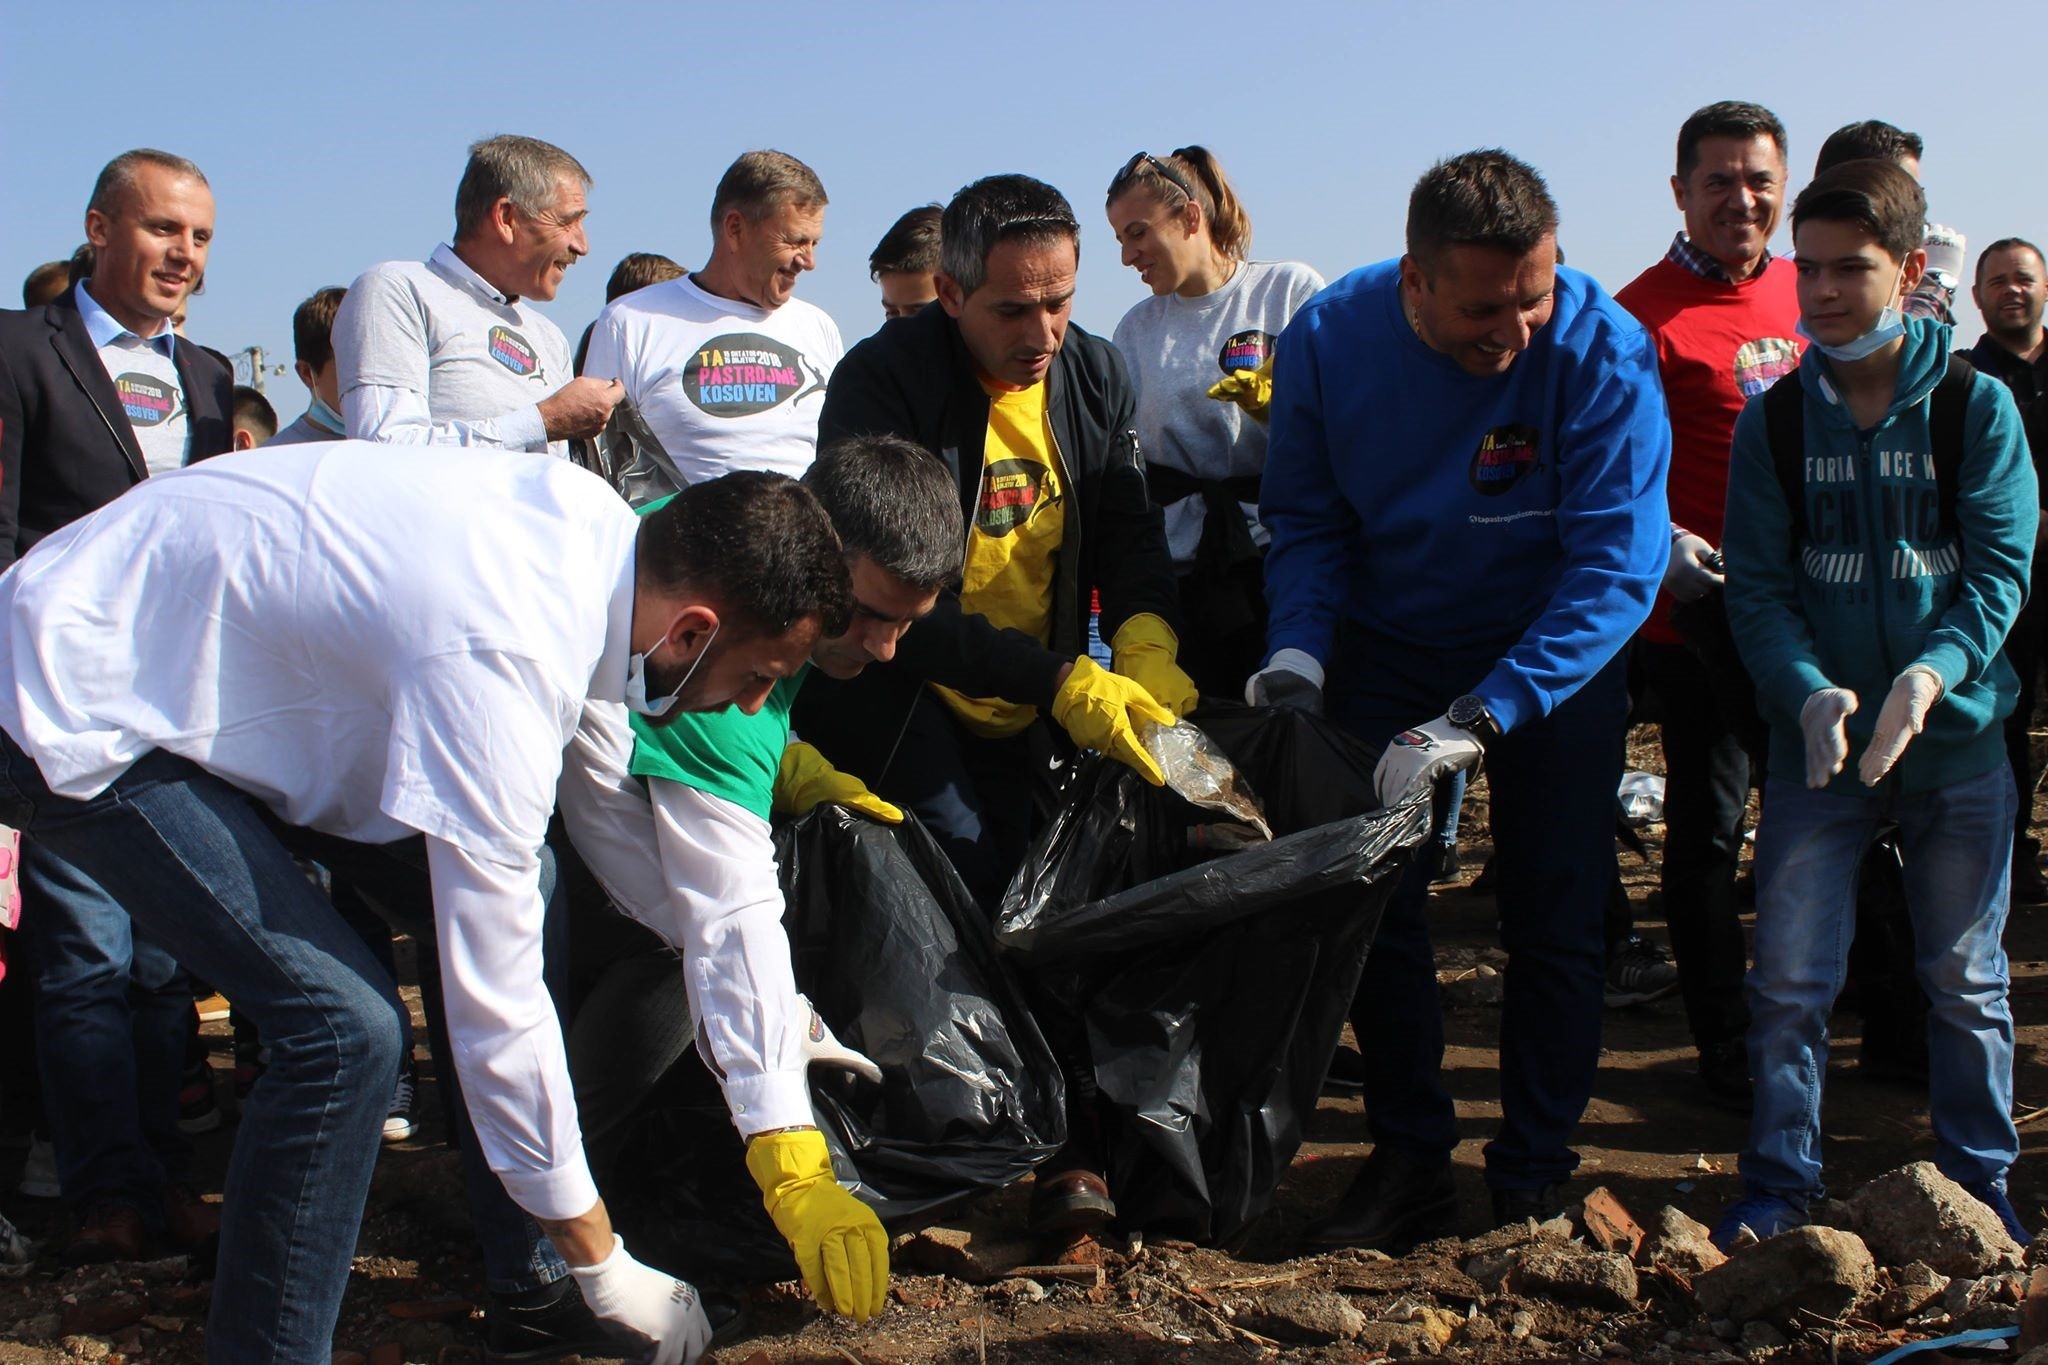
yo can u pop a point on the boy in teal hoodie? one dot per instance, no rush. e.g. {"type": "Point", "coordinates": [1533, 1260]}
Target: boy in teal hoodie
{"type": "Point", "coordinates": [1872, 616]}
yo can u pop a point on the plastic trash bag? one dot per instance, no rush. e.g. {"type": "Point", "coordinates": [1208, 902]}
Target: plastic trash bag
{"type": "Point", "coordinates": [900, 963]}
{"type": "Point", "coordinates": [1642, 798]}
{"type": "Point", "coordinates": [1212, 989]}
{"type": "Point", "coordinates": [1200, 773]}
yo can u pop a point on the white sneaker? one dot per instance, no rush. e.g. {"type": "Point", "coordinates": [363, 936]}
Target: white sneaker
{"type": "Point", "coordinates": [398, 1125]}
{"type": "Point", "coordinates": [16, 1251]}
{"type": "Point", "coordinates": [39, 1172]}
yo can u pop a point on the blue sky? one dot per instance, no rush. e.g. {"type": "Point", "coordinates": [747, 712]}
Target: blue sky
{"type": "Point", "coordinates": [334, 134]}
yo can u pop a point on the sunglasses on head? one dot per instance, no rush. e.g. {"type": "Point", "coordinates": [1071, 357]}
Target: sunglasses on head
{"type": "Point", "coordinates": [1142, 159]}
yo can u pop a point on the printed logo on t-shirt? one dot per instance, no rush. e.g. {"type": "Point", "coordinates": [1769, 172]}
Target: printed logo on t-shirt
{"type": "Point", "coordinates": [1245, 351]}
{"type": "Point", "coordinates": [148, 401]}
{"type": "Point", "coordinates": [1763, 362]}
{"type": "Point", "coordinates": [741, 374]}
{"type": "Point", "coordinates": [514, 352]}
{"type": "Point", "coordinates": [1011, 492]}
{"type": "Point", "coordinates": [1505, 454]}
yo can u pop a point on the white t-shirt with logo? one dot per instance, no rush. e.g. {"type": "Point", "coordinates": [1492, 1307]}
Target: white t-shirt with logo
{"type": "Point", "coordinates": [1176, 348]}
{"type": "Point", "coordinates": [436, 331]}
{"type": "Point", "coordinates": [722, 384]}
{"type": "Point", "coordinates": [152, 395]}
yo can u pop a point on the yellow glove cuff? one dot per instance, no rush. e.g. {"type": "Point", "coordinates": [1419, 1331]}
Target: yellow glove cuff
{"type": "Point", "coordinates": [1145, 630]}
{"type": "Point", "coordinates": [783, 1163]}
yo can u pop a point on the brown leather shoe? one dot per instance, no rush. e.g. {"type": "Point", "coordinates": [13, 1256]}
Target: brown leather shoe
{"type": "Point", "coordinates": [189, 1221]}
{"type": "Point", "coordinates": [1071, 1201]}
{"type": "Point", "coordinates": [111, 1232]}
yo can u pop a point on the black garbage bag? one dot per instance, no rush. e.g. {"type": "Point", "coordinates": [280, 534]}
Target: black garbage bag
{"type": "Point", "coordinates": [900, 962]}
{"type": "Point", "coordinates": [1213, 990]}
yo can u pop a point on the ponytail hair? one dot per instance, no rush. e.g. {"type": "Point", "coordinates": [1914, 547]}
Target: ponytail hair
{"type": "Point", "coordinates": [1192, 173]}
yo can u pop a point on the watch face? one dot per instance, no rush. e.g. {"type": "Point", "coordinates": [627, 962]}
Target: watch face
{"type": "Point", "coordinates": [1466, 712]}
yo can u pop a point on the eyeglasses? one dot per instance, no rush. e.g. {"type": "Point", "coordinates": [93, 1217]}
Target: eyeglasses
{"type": "Point", "coordinates": [1141, 159]}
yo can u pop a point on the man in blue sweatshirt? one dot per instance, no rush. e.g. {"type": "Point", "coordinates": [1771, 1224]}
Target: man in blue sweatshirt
{"type": "Point", "coordinates": [1878, 544]}
{"type": "Point", "coordinates": [1465, 489]}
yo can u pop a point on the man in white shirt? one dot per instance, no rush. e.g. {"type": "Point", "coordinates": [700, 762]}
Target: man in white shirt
{"type": "Point", "coordinates": [727, 366]}
{"type": "Point", "coordinates": [451, 351]}
{"type": "Point", "coordinates": [313, 360]}
{"type": "Point", "coordinates": [317, 651]}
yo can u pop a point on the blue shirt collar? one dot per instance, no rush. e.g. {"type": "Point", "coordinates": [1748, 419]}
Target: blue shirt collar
{"type": "Point", "coordinates": [102, 327]}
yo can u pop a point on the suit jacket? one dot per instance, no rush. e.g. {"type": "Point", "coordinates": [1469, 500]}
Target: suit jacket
{"type": "Point", "coordinates": [66, 446]}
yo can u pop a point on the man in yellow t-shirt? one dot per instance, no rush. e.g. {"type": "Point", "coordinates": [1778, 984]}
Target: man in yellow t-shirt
{"type": "Point", "coordinates": [1034, 418]}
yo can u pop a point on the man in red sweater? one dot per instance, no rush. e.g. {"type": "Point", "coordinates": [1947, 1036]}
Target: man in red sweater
{"type": "Point", "coordinates": [1722, 311]}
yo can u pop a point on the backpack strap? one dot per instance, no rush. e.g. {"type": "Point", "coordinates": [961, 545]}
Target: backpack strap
{"type": "Point", "coordinates": [1785, 428]}
{"type": "Point", "coordinates": [1947, 409]}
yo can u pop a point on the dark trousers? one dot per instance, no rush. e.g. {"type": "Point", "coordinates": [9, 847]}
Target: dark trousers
{"type": "Point", "coordinates": [1706, 790]}
{"type": "Point", "coordinates": [1552, 781]}
{"type": "Point", "coordinates": [2024, 649]}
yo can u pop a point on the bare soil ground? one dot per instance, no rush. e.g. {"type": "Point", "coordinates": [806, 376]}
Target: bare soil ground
{"type": "Point", "coordinates": [1650, 1136]}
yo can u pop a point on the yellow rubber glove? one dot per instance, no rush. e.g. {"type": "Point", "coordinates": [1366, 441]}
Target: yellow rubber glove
{"type": "Point", "coordinates": [1100, 709]}
{"type": "Point", "coordinates": [839, 1243]}
{"type": "Point", "coordinates": [806, 779]}
{"type": "Point", "coordinates": [1251, 390]}
{"type": "Point", "coordinates": [1144, 651]}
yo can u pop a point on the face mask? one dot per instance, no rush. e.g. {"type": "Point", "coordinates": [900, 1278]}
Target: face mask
{"type": "Point", "coordinates": [325, 417]}
{"type": "Point", "coordinates": [636, 681]}
{"type": "Point", "coordinates": [1889, 327]}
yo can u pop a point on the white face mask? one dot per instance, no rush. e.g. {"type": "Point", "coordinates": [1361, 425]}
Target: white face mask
{"type": "Point", "coordinates": [636, 680]}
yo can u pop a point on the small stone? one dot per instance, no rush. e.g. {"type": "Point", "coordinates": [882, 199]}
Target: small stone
{"type": "Point", "coordinates": [1312, 1317]}
{"type": "Point", "coordinates": [2034, 1310]}
{"type": "Point", "coordinates": [1607, 1223]}
{"type": "Point", "coordinates": [1681, 1243]}
{"type": "Point", "coordinates": [1918, 1214]}
{"type": "Point", "coordinates": [86, 1348]}
{"type": "Point", "coordinates": [1912, 1288]}
{"type": "Point", "coordinates": [1820, 1270]}
{"type": "Point", "coordinates": [103, 1314]}
{"type": "Point", "coordinates": [1600, 1278]}
{"type": "Point", "coordinates": [2037, 1356]}
{"type": "Point", "coordinates": [1761, 1336]}
{"type": "Point", "coordinates": [1724, 1329]}
{"type": "Point", "coordinates": [159, 1322]}
{"type": "Point", "coordinates": [1521, 1324]}
{"type": "Point", "coordinates": [1030, 1291]}
{"type": "Point", "coordinates": [1478, 1330]}
{"type": "Point", "coordinates": [976, 1257]}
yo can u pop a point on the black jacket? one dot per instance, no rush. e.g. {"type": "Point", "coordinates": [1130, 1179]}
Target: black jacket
{"type": "Point", "coordinates": [914, 378]}
{"type": "Point", "coordinates": [66, 447]}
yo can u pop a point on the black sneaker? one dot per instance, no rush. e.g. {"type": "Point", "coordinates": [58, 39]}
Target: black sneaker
{"type": "Point", "coordinates": [198, 1110]}
{"type": "Point", "coordinates": [1512, 1208]}
{"type": "Point", "coordinates": [1346, 1075]}
{"type": "Point", "coordinates": [1441, 860]}
{"type": "Point", "coordinates": [1724, 1070]}
{"type": "Point", "coordinates": [2028, 885]}
{"type": "Point", "coordinates": [1398, 1200]}
{"type": "Point", "coordinates": [1638, 971]}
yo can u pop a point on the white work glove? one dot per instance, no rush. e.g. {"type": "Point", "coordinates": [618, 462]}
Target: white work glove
{"type": "Point", "coordinates": [1945, 251]}
{"type": "Point", "coordinates": [1904, 711]}
{"type": "Point", "coordinates": [1824, 722]}
{"type": "Point", "coordinates": [1292, 677]}
{"type": "Point", "coordinates": [1416, 758]}
{"type": "Point", "coordinates": [658, 1306]}
{"type": "Point", "coordinates": [1691, 574]}
{"type": "Point", "coordinates": [821, 1046]}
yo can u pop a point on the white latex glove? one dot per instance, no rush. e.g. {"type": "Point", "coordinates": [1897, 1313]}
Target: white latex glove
{"type": "Point", "coordinates": [1292, 677]}
{"type": "Point", "coordinates": [1691, 574]}
{"type": "Point", "coordinates": [1945, 251]}
{"type": "Point", "coordinates": [1417, 758]}
{"type": "Point", "coordinates": [1823, 720]}
{"type": "Point", "coordinates": [1904, 711]}
{"type": "Point", "coordinates": [658, 1306]}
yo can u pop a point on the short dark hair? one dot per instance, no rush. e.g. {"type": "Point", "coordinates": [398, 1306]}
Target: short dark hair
{"type": "Point", "coordinates": [313, 326]}
{"type": "Point", "coordinates": [1001, 208]}
{"type": "Point", "coordinates": [759, 183]}
{"type": "Point", "coordinates": [117, 178]}
{"type": "Point", "coordinates": [758, 544]}
{"type": "Point", "coordinates": [525, 170]}
{"type": "Point", "coordinates": [1872, 138]}
{"type": "Point", "coordinates": [81, 262]}
{"type": "Point", "coordinates": [637, 271]}
{"type": "Point", "coordinates": [1873, 194]}
{"type": "Point", "coordinates": [1483, 198]}
{"type": "Point", "coordinates": [1729, 118]}
{"type": "Point", "coordinates": [895, 503]}
{"type": "Point", "coordinates": [2007, 244]}
{"type": "Point", "coordinates": [910, 246]}
{"type": "Point", "coordinates": [45, 282]}
{"type": "Point", "coordinates": [253, 412]}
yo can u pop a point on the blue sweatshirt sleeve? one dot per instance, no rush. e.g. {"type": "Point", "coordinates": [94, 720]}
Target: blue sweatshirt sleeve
{"type": "Point", "coordinates": [1771, 634]}
{"type": "Point", "coordinates": [1313, 528]}
{"type": "Point", "coordinates": [1997, 508]}
{"type": "Point", "coordinates": [1613, 526]}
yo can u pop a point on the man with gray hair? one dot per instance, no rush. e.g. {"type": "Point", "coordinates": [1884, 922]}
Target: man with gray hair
{"type": "Point", "coordinates": [451, 351]}
{"type": "Point", "coordinates": [726, 367]}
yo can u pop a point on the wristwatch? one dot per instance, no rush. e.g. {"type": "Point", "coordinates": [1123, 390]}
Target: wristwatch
{"type": "Point", "coordinates": [1469, 714]}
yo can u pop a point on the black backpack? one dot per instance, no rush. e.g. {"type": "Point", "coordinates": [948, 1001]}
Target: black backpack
{"type": "Point", "coordinates": [1785, 425]}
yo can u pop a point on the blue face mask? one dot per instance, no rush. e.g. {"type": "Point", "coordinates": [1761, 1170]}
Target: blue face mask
{"type": "Point", "coordinates": [325, 417]}
{"type": "Point", "coordinates": [1890, 326]}
{"type": "Point", "coordinates": [636, 681]}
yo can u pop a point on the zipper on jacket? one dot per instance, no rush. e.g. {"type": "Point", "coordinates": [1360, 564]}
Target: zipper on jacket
{"type": "Point", "coordinates": [1874, 553]}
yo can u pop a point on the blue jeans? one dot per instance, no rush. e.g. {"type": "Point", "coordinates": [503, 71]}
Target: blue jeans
{"type": "Point", "coordinates": [1956, 843]}
{"type": "Point", "coordinates": [1552, 782]}
{"type": "Point", "coordinates": [112, 1011]}
{"type": "Point", "coordinates": [195, 864]}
